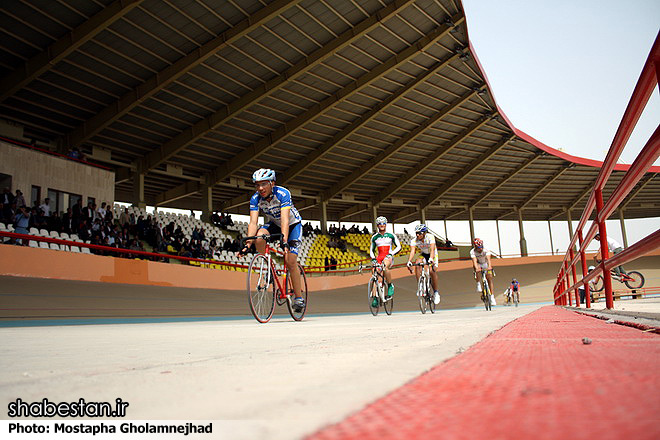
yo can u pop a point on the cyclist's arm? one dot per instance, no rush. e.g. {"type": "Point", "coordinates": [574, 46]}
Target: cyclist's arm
{"type": "Point", "coordinates": [412, 253]}
{"type": "Point", "coordinates": [490, 266]}
{"type": "Point", "coordinates": [475, 266]}
{"type": "Point", "coordinates": [397, 245]}
{"type": "Point", "coordinates": [284, 221]}
{"type": "Point", "coordinates": [372, 247]}
{"type": "Point", "coordinates": [434, 253]}
{"type": "Point", "coordinates": [253, 226]}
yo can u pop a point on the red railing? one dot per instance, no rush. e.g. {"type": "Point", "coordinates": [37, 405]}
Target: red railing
{"type": "Point", "coordinates": [567, 281]}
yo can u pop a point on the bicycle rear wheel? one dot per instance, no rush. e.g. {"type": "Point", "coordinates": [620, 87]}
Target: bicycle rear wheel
{"type": "Point", "coordinates": [297, 316]}
{"type": "Point", "coordinates": [261, 293]}
{"type": "Point", "coordinates": [421, 295]}
{"type": "Point", "coordinates": [372, 291]}
{"type": "Point", "coordinates": [636, 280]}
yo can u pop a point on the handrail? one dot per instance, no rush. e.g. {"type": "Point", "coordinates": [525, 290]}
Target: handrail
{"type": "Point", "coordinates": [647, 82]}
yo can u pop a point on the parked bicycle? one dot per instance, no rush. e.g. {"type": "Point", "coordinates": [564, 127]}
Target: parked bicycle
{"type": "Point", "coordinates": [376, 289]}
{"type": "Point", "coordinates": [424, 290]}
{"type": "Point", "coordinates": [265, 286]}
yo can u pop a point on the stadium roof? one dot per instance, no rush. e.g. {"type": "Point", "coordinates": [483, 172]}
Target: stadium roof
{"type": "Point", "coordinates": [357, 103]}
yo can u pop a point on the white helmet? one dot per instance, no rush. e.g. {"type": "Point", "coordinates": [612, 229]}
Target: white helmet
{"type": "Point", "coordinates": [263, 174]}
{"type": "Point", "coordinates": [421, 228]}
{"type": "Point", "coordinates": [591, 268]}
{"type": "Point", "coordinates": [381, 220]}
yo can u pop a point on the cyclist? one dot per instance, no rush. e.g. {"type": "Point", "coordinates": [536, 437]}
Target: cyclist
{"type": "Point", "coordinates": [481, 261]}
{"type": "Point", "coordinates": [382, 250]}
{"type": "Point", "coordinates": [515, 288]}
{"type": "Point", "coordinates": [614, 248]}
{"type": "Point", "coordinates": [425, 243]}
{"type": "Point", "coordinates": [281, 217]}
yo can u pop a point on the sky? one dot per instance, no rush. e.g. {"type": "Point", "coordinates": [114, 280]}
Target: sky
{"type": "Point", "coordinates": [563, 72]}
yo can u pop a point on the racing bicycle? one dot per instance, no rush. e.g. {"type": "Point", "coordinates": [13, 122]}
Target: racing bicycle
{"type": "Point", "coordinates": [424, 293]}
{"type": "Point", "coordinates": [265, 286]}
{"type": "Point", "coordinates": [376, 288]}
{"type": "Point", "coordinates": [485, 288]}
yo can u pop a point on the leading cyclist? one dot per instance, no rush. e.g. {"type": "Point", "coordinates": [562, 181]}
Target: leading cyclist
{"type": "Point", "coordinates": [281, 218]}
{"type": "Point", "coordinates": [386, 245]}
{"type": "Point", "coordinates": [425, 243]}
{"type": "Point", "coordinates": [481, 261]}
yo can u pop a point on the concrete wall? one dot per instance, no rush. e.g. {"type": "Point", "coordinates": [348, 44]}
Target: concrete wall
{"type": "Point", "coordinates": [29, 167]}
{"type": "Point", "coordinates": [50, 284]}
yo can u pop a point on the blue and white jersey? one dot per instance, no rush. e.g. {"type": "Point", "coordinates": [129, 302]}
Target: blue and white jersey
{"type": "Point", "coordinates": [281, 198]}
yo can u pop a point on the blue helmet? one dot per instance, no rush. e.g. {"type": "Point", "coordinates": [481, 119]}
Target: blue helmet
{"type": "Point", "coordinates": [421, 228]}
{"type": "Point", "coordinates": [263, 174]}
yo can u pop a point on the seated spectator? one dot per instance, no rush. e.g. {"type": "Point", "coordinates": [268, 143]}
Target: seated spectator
{"type": "Point", "coordinates": [365, 230]}
{"type": "Point", "coordinates": [448, 243]}
{"type": "Point", "coordinates": [54, 222]}
{"type": "Point", "coordinates": [227, 245]}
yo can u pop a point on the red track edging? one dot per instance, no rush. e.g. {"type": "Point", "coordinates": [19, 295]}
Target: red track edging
{"type": "Point", "coordinates": [534, 378]}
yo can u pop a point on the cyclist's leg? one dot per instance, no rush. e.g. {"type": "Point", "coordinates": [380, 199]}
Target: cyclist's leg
{"type": "Point", "coordinates": [489, 277]}
{"type": "Point", "coordinates": [387, 262]}
{"type": "Point", "coordinates": [619, 269]}
{"type": "Point", "coordinates": [260, 243]}
{"type": "Point", "coordinates": [295, 234]}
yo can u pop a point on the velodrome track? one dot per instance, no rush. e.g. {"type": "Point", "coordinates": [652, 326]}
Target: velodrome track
{"type": "Point", "coordinates": [194, 354]}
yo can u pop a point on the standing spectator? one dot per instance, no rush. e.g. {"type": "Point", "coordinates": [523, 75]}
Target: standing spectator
{"type": "Point", "coordinates": [21, 222]}
{"type": "Point", "coordinates": [124, 218]}
{"type": "Point", "coordinates": [101, 211]}
{"type": "Point", "coordinates": [45, 207]}
{"type": "Point", "coordinates": [19, 199]}
{"type": "Point", "coordinates": [67, 221]}
{"type": "Point", "coordinates": [326, 264]}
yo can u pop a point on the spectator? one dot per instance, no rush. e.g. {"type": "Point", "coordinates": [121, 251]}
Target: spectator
{"type": "Point", "coordinates": [19, 199]}
{"type": "Point", "coordinates": [365, 230]}
{"type": "Point", "coordinates": [54, 222]}
{"type": "Point", "coordinates": [74, 153]}
{"type": "Point", "coordinates": [448, 242]}
{"type": "Point", "coordinates": [101, 211]}
{"type": "Point", "coordinates": [21, 223]}
{"type": "Point", "coordinates": [124, 218]}
{"type": "Point", "coordinates": [227, 245]}
{"type": "Point", "coordinates": [45, 207]}
{"type": "Point", "coordinates": [327, 264]}
{"type": "Point", "coordinates": [333, 263]}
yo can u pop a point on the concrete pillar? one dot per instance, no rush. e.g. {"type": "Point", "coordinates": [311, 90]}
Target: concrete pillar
{"type": "Point", "coordinates": [471, 224]}
{"type": "Point", "coordinates": [499, 243]}
{"type": "Point", "coordinates": [138, 190]}
{"type": "Point", "coordinates": [552, 246]}
{"type": "Point", "coordinates": [324, 217]}
{"type": "Point", "coordinates": [446, 235]}
{"type": "Point", "coordinates": [423, 216]}
{"type": "Point", "coordinates": [569, 219]}
{"type": "Point", "coordinates": [374, 214]}
{"type": "Point", "coordinates": [523, 242]}
{"type": "Point", "coordinates": [623, 229]}
{"type": "Point", "coordinates": [206, 205]}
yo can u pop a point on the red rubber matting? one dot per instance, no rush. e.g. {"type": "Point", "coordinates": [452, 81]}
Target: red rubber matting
{"type": "Point", "coordinates": [533, 379]}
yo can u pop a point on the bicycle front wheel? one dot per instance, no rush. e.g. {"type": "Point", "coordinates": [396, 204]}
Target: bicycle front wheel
{"type": "Point", "coordinates": [598, 284]}
{"type": "Point", "coordinates": [421, 295]}
{"type": "Point", "coordinates": [373, 293]}
{"type": "Point", "coordinates": [636, 280]}
{"type": "Point", "coordinates": [260, 289]}
{"type": "Point", "coordinates": [388, 305]}
{"type": "Point", "coordinates": [297, 315]}
{"type": "Point", "coordinates": [430, 299]}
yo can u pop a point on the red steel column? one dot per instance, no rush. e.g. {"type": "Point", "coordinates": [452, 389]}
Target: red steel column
{"type": "Point", "coordinates": [568, 283]}
{"type": "Point", "coordinates": [583, 259]}
{"type": "Point", "coordinates": [604, 251]}
{"type": "Point", "coordinates": [576, 290]}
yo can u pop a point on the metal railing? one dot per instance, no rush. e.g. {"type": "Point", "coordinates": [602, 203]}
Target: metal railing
{"type": "Point", "coordinates": [567, 280]}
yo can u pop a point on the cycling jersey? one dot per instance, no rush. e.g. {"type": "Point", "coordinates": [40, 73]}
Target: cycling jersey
{"type": "Point", "coordinates": [515, 286]}
{"type": "Point", "coordinates": [271, 207]}
{"type": "Point", "coordinates": [424, 246]}
{"type": "Point", "coordinates": [482, 257]}
{"type": "Point", "coordinates": [383, 243]}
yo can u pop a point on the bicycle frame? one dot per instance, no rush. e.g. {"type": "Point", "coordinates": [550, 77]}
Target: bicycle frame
{"type": "Point", "coordinates": [273, 272]}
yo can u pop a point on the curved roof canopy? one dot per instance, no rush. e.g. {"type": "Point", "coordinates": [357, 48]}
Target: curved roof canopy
{"type": "Point", "coordinates": [354, 103]}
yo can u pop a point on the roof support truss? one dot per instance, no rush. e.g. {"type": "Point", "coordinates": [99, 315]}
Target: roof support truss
{"type": "Point", "coordinates": [60, 49]}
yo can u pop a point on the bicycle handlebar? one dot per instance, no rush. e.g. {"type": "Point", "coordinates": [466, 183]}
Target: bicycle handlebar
{"type": "Point", "coordinates": [268, 238]}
